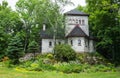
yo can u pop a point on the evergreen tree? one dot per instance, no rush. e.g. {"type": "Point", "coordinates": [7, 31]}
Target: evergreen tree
{"type": "Point", "coordinates": [15, 48]}
{"type": "Point", "coordinates": [33, 47]}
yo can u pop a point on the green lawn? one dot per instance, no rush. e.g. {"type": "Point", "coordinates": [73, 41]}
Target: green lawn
{"type": "Point", "coordinates": [12, 73]}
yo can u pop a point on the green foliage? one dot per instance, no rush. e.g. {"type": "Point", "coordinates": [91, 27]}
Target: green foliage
{"type": "Point", "coordinates": [104, 23]}
{"type": "Point", "coordinates": [64, 52]}
{"type": "Point", "coordinates": [8, 63]}
{"type": "Point", "coordinates": [68, 67]}
{"type": "Point", "coordinates": [22, 73]}
{"type": "Point", "coordinates": [9, 19]}
{"type": "Point", "coordinates": [43, 63]}
{"type": "Point", "coordinates": [10, 24]}
{"type": "Point", "coordinates": [92, 58]}
{"type": "Point", "coordinates": [77, 68]}
{"type": "Point", "coordinates": [15, 48]}
{"type": "Point", "coordinates": [3, 43]}
{"type": "Point", "coordinates": [33, 46]}
{"type": "Point", "coordinates": [50, 56]}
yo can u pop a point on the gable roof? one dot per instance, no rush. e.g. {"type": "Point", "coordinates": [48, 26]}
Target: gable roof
{"type": "Point", "coordinates": [76, 12]}
{"type": "Point", "coordinates": [77, 32]}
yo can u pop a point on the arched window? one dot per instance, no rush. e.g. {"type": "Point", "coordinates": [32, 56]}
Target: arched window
{"type": "Point", "coordinates": [79, 42]}
{"type": "Point", "coordinates": [77, 21]}
{"type": "Point", "coordinates": [71, 42]}
{"type": "Point", "coordinates": [80, 22]}
{"type": "Point", "coordinates": [83, 22]}
{"type": "Point", "coordinates": [50, 44]}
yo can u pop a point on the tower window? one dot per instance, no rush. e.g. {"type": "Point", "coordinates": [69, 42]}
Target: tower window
{"type": "Point", "coordinates": [79, 42]}
{"type": "Point", "coordinates": [83, 22]}
{"type": "Point", "coordinates": [50, 44]}
{"type": "Point", "coordinates": [76, 21]}
{"type": "Point", "coordinates": [79, 21]}
{"type": "Point", "coordinates": [71, 42]}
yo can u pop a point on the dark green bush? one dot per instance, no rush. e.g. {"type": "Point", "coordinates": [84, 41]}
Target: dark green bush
{"type": "Point", "coordinates": [64, 52]}
{"type": "Point", "coordinates": [15, 48]}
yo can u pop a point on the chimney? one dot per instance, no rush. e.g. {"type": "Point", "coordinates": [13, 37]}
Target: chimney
{"type": "Point", "coordinates": [44, 26]}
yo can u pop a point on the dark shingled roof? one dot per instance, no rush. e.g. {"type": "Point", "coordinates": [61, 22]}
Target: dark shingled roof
{"type": "Point", "coordinates": [49, 33]}
{"type": "Point", "coordinates": [45, 35]}
{"type": "Point", "coordinates": [76, 12]}
{"type": "Point", "coordinates": [77, 32]}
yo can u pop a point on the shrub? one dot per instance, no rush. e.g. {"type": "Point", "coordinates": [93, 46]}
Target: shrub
{"type": "Point", "coordinates": [50, 56]}
{"type": "Point", "coordinates": [92, 58]}
{"type": "Point", "coordinates": [68, 67]}
{"type": "Point", "coordinates": [64, 52]}
{"type": "Point", "coordinates": [8, 63]}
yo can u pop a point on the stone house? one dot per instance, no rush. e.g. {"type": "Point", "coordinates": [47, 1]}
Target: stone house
{"type": "Point", "coordinates": [76, 34]}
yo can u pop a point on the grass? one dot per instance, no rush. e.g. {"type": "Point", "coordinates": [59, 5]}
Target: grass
{"type": "Point", "coordinates": [12, 73]}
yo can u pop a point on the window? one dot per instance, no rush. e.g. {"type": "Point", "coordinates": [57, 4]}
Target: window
{"type": "Point", "coordinates": [59, 42]}
{"type": "Point", "coordinates": [71, 42]}
{"type": "Point", "coordinates": [85, 43]}
{"type": "Point", "coordinates": [79, 21]}
{"type": "Point", "coordinates": [83, 22]}
{"type": "Point", "coordinates": [50, 44]}
{"type": "Point", "coordinates": [79, 42]}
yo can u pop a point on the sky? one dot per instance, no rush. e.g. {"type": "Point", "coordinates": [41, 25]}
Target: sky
{"type": "Point", "coordinates": [67, 8]}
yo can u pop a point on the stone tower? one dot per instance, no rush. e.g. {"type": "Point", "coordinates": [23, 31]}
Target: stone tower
{"type": "Point", "coordinates": [76, 17]}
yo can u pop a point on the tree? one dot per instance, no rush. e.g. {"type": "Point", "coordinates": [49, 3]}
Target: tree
{"type": "Point", "coordinates": [105, 25]}
{"type": "Point", "coordinates": [15, 48]}
{"type": "Point", "coordinates": [10, 24]}
{"type": "Point", "coordinates": [3, 43]}
{"type": "Point", "coordinates": [35, 12]}
{"type": "Point", "coordinates": [33, 47]}
{"type": "Point", "coordinates": [9, 20]}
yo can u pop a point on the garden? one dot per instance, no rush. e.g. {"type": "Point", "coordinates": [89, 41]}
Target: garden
{"type": "Point", "coordinates": [63, 63]}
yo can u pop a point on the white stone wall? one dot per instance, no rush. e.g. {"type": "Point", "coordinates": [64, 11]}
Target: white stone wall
{"type": "Point", "coordinates": [86, 45]}
{"type": "Point", "coordinates": [45, 45]}
{"type": "Point", "coordinates": [91, 46]}
{"type": "Point", "coordinates": [70, 24]}
{"type": "Point", "coordinates": [76, 46]}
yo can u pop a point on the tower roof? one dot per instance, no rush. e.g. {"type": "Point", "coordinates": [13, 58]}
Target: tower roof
{"type": "Point", "coordinates": [77, 32]}
{"type": "Point", "coordinates": [76, 12]}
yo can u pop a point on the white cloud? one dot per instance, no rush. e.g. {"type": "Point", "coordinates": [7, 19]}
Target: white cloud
{"type": "Point", "coordinates": [11, 3]}
{"type": "Point", "coordinates": [76, 3]}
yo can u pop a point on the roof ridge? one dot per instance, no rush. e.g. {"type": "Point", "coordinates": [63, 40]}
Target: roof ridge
{"type": "Point", "coordinates": [76, 12]}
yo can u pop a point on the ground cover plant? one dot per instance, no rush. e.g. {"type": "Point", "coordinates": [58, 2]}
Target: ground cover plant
{"type": "Point", "coordinates": [84, 63]}
{"type": "Point", "coordinates": [12, 73]}
{"type": "Point", "coordinates": [46, 66]}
